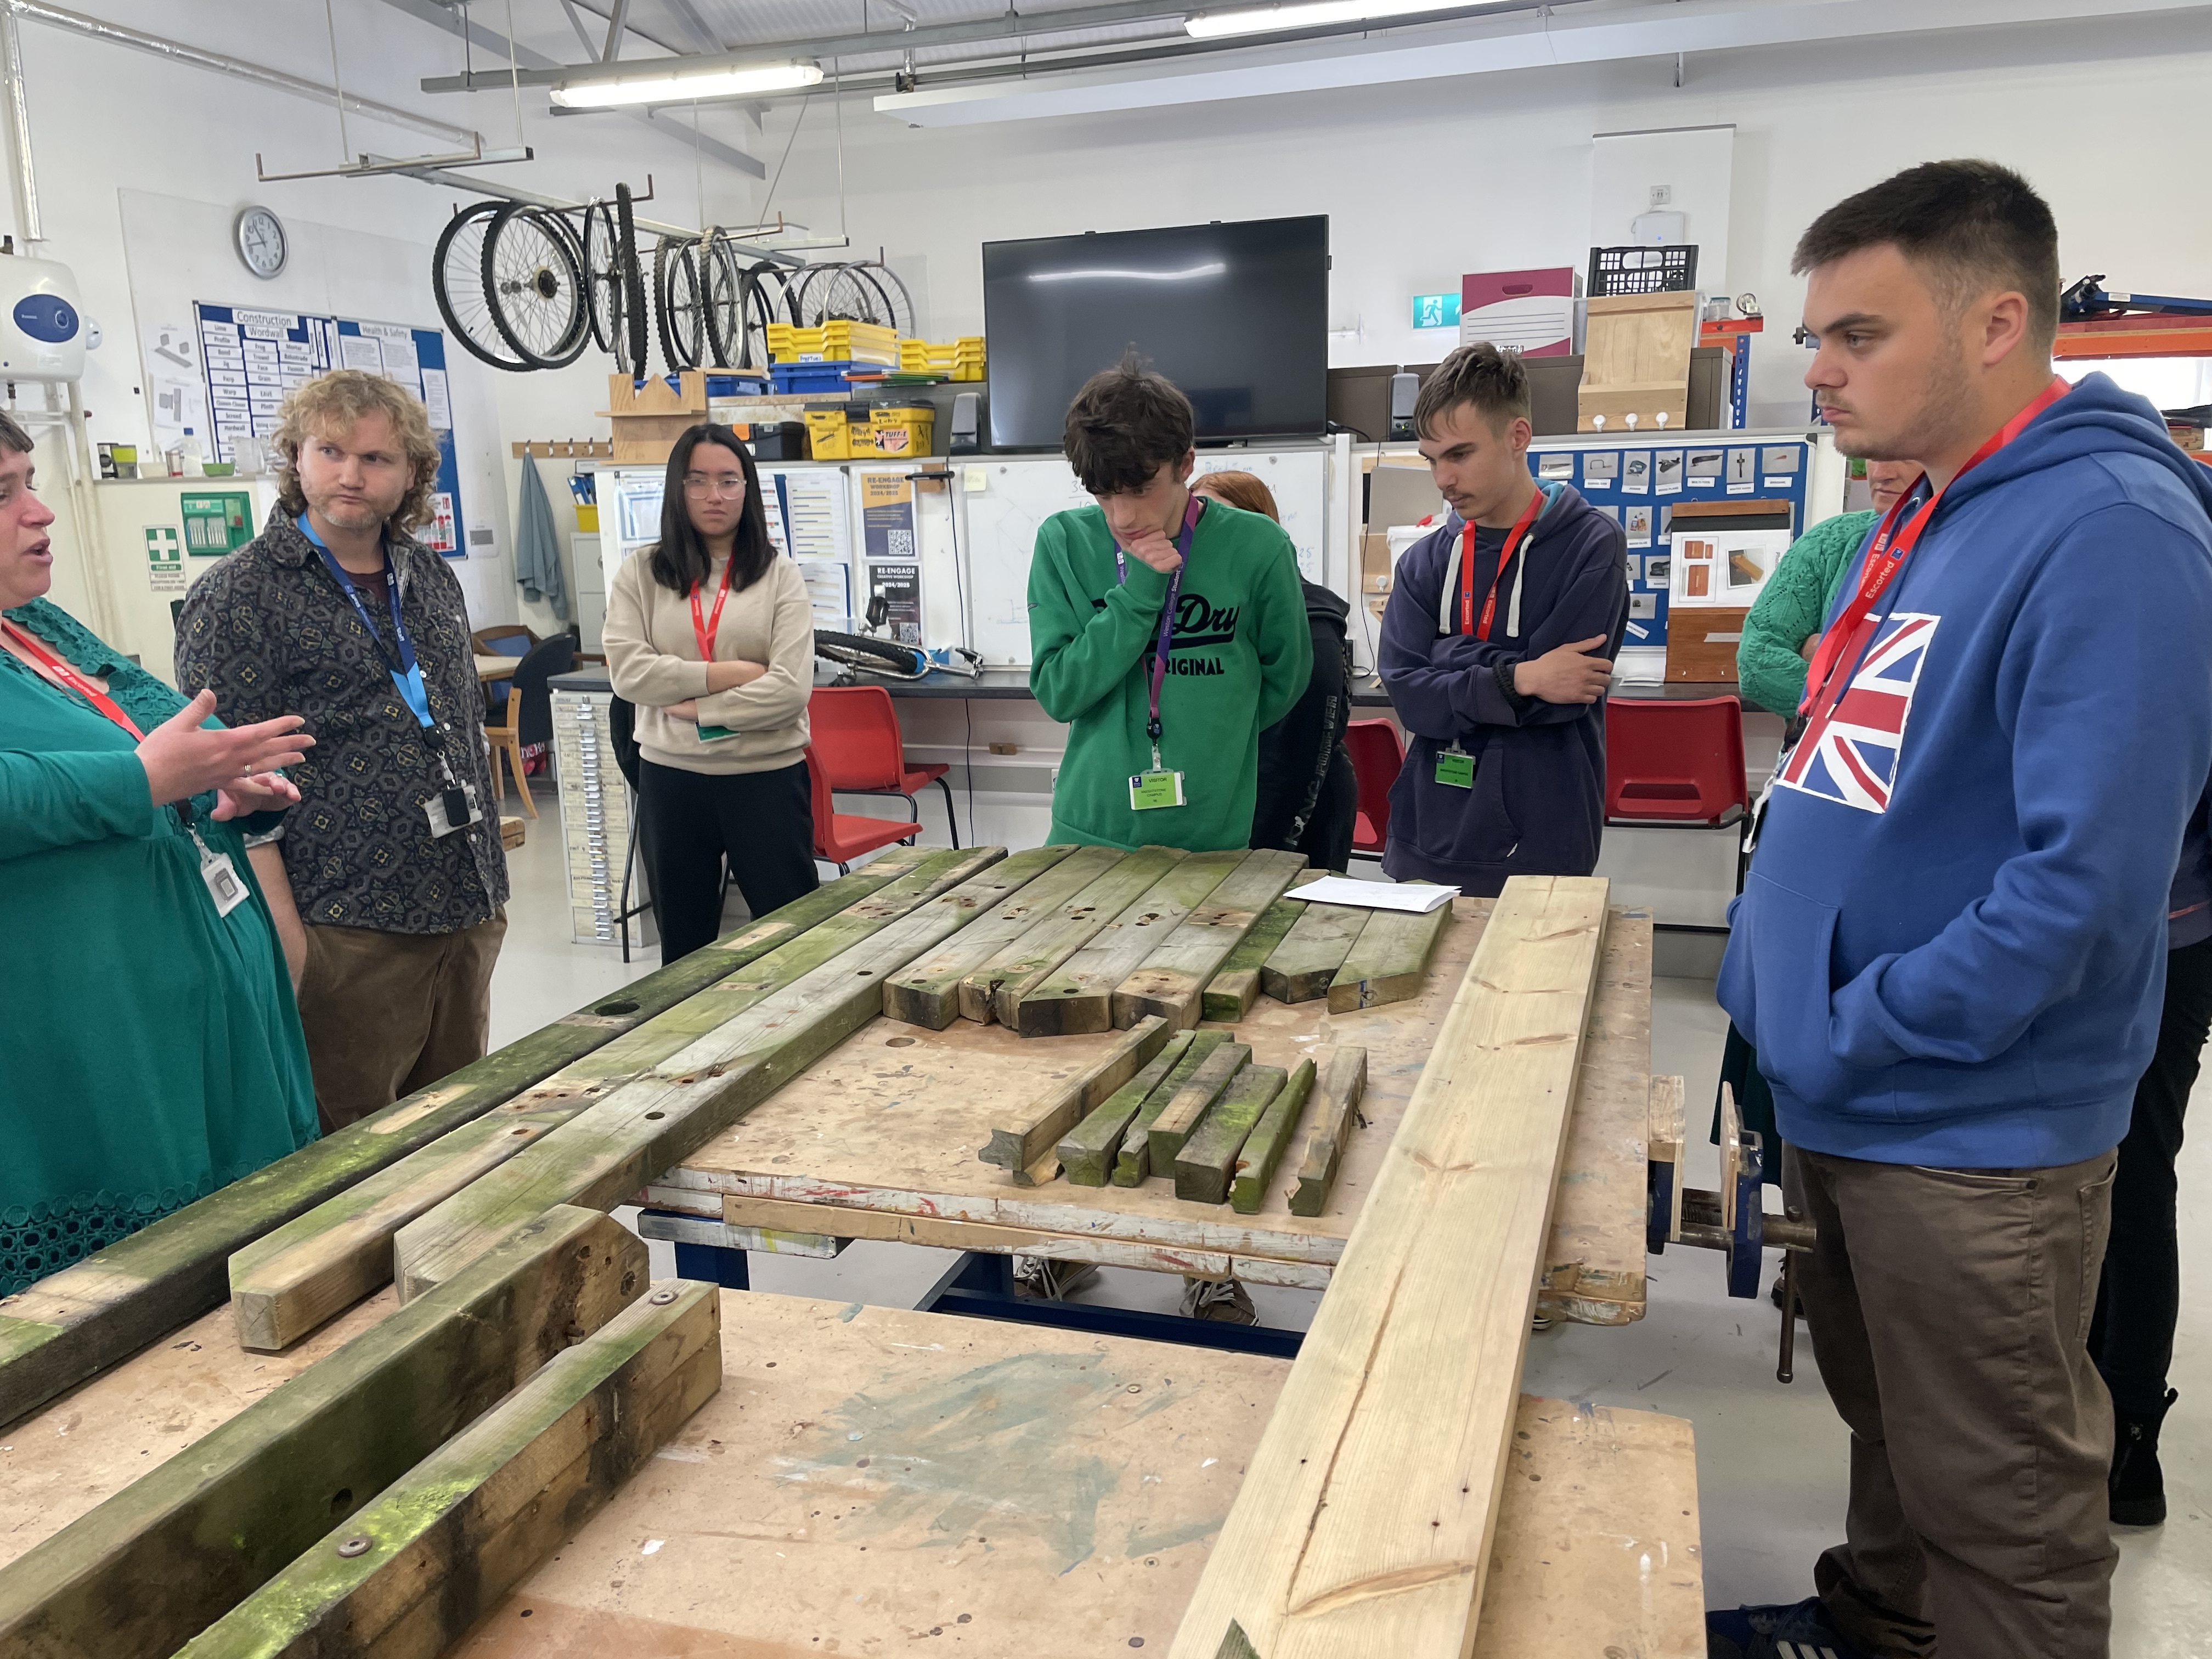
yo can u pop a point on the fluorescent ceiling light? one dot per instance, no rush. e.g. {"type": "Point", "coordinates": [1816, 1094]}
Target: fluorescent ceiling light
{"type": "Point", "coordinates": [1213, 269]}
{"type": "Point", "coordinates": [605, 92]}
{"type": "Point", "coordinates": [1307, 15]}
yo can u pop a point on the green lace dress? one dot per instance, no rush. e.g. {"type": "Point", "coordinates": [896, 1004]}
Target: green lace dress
{"type": "Point", "coordinates": [149, 1050]}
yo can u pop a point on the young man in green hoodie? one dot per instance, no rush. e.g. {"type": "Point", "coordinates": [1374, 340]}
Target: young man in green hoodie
{"type": "Point", "coordinates": [1166, 631]}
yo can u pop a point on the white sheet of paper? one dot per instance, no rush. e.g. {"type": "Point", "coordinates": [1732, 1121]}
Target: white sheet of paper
{"type": "Point", "coordinates": [1417, 897]}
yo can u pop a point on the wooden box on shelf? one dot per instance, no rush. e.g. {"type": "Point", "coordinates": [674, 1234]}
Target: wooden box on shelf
{"type": "Point", "coordinates": [649, 415]}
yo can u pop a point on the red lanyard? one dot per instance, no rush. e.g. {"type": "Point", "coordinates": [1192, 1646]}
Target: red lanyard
{"type": "Point", "coordinates": [1846, 637]}
{"type": "Point", "coordinates": [70, 679]}
{"type": "Point", "coordinates": [708, 627]}
{"type": "Point", "coordinates": [1466, 622]}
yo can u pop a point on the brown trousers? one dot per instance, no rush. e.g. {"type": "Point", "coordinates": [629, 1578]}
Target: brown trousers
{"type": "Point", "coordinates": [1948, 1311]}
{"type": "Point", "coordinates": [386, 1014]}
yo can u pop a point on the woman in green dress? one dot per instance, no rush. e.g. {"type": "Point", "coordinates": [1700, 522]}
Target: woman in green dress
{"type": "Point", "coordinates": [149, 1051]}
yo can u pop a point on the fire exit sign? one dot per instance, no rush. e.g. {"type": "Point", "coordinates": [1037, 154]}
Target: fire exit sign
{"type": "Point", "coordinates": [1436, 311]}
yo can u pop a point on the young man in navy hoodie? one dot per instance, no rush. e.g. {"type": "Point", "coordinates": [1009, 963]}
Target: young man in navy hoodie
{"type": "Point", "coordinates": [1951, 947]}
{"type": "Point", "coordinates": [1497, 647]}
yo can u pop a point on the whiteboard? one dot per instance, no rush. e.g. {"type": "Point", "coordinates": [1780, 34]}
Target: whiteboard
{"type": "Point", "coordinates": [1000, 519]}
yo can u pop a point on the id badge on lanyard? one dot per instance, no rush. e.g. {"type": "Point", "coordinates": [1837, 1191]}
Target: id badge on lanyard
{"type": "Point", "coordinates": [1159, 788]}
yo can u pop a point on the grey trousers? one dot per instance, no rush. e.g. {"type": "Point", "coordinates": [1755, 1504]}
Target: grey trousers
{"type": "Point", "coordinates": [1948, 1311]}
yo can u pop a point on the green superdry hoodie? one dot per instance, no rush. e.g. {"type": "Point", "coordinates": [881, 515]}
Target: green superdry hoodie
{"type": "Point", "coordinates": [1238, 658]}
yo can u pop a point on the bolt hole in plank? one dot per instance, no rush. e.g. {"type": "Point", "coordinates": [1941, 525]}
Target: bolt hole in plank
{"type": "Point", "coordinates": [652, 1117]}
{"type": "Point", "coordinates": [616, 1008]}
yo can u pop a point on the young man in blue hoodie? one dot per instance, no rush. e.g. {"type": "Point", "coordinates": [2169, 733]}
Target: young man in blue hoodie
{"type": "Point", "coordinates": [1950, 950]}
{"type": "Point", "coordinates": [1497, 647]}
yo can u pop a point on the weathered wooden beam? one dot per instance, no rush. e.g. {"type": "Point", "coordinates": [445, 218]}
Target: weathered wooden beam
{"type": "Point", "coordinates": [1263, 1148]}
{"type": "Point", "coordinates": [1234, 985]}
{"type": "Point", "coordinates": [1343, 1079]}
{"type": "Point", "coordinates": [1302, 966]}
{"type": "Point", "coordinates": [76, 1323]}
{"type": "Point", "coordinates": [993, 990]}
{"type": "Point", "coordinates": [312, 1268]}
{"type": "Point", "coordinates": [1366, 1520]}
{"type": "Point", "coordinates": [1202, 1166]}
{"type": "Point", "coordinates": [1389, 961]}
{"type": "Point", "coordinates": [1163, 1140]}
{"type": "Point", "coordinates": [1171, 981]}
{"type": "Point", "coordinates": [1078, 996]}
{"type": "Point", "coordinates": [928, 994]}
{"type": "Point", "coordinates": [407, 1576]}
{"type": "Point", "coordinates": [1024, 1144]}
{"type": "Point", "coordinates": [1134, 1160]}
{"type": "Point", "coordinates": [606, 1154]}
{"type": "Point", "coordinates": [143, 1572]}
{"type": "Point", "coordinates": [1663, 1147]}
{"type": "Point", "coordinates": [1087, 1151]}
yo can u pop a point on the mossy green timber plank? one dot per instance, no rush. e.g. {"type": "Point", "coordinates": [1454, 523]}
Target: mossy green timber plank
{"type": "Point", "coordinates": [1087, 1151]}
{"type": "Point", "coordinates": [1202, 1167]}
{"type": "Point", "coordinates": [147, 1569]}
{"type": "Point", "coordinates": [290, 1283]}
{"type": "Point", "coordinates": [929, 993]}
{"type": "Point", "coordinates": [606, 1154]}
{"type": "Point", "coordinates": [1077, 996]}
{"type": "Point", "coordinates": [1389, 961]}
{"type": "Point", "coordinates": [1234, 985]}
{"type": "Point", "coordinates": [1302, 966]}
{"type": "Point", "coordinates": [1165, 1138]}
{"type": "Point", "coordinates": [1343, 1079]}
{"type": "Point", "coordinates": [1263, 1148]}
{"type": "Point", "coordinates": [1015, 972]}
{"type": "Point", "coordinates": [1020, 1145]}
{"type": "Point", "coordinates": [76, 1323]}
{"type": "Point", "coordinates": [1133, 1162]}
{"type": "Point", "coordinates": [1171, 981]}
{"type": "Point", "coordinates": [472, 1521]}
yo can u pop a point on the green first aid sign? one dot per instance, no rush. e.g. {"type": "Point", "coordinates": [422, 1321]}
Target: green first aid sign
{"type": "Point", "coordinates": [165, 559]}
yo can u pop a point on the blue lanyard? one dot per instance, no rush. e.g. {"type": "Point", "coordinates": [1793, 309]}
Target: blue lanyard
{"type": "Point", "coordinates": [406, 673]}
{"type": "Point", "coordinates": [1167, 613]}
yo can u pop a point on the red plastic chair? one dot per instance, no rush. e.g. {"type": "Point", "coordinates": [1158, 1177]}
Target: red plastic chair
{"type": "Point", "coordinates": [840, 837]}
{"type": "Point", "coordinates": [856, 734]}
{"type": "Point", "coordinates": [1674, 762]}
{"type": "Point", "coordinates": [1378, 753]}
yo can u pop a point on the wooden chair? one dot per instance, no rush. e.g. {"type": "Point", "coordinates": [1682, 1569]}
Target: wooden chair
{"type": "Point", "coordinates": [529, 712]}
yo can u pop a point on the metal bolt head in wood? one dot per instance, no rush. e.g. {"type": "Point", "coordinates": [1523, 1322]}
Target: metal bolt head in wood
{"type": "Point", "coordinates": [662, 1298]}
{"type": "Point", "coordinates": [359, 1544]}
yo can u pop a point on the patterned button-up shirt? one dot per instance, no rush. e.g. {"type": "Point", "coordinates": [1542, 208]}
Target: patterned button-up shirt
{"type": "Point", "coordinates": [270, 631]}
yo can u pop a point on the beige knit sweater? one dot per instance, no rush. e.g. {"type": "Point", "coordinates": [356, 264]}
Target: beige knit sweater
{"type": "Point", "coordinates": [653, 656]}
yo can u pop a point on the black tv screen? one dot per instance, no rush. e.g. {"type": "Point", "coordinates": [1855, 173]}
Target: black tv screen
{"type": "Point", "coordinates": [1235, 314]}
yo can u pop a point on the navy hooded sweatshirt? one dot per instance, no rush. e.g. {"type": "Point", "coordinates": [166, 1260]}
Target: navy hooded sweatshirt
{"type": "Point", "coordinates": [1951, 947]}
{"type": "Point", "coordinates": [1538, 803]}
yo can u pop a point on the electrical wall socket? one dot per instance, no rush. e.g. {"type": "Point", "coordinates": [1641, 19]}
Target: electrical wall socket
{"type": "Point", "coordinates": [1663, 195]}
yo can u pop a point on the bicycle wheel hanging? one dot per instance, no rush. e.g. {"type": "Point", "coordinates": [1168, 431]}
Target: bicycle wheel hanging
{"type": "Point", "coordinates": [603, 286]}
{"type": "Point", "coordinates": [765, 303]}
{"type": "Point", "coordinates": [677, 300]}
{"type": "Point", "coordinates": [897, 303]}
{"type": "Point", "coordinates": [533, 285]}
{"type": "Point", "coordinates": [630, 356]}
{"type": "Point", "coordinates": [722, 301]}
{"type": "Point", "coordinates": [456, 281]}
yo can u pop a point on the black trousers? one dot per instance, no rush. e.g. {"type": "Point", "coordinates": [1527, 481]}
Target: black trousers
{"type": "Point", "coordinates": [2139, 1297]}
{"type": "Point", "coordinates": [689, 821]}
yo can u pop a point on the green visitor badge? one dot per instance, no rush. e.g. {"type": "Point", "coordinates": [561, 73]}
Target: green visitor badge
{"type": "Point", "coordinates": [1150, 789]}
{"type": "Point", "coordinates": [714, 733]}
{"type": "Point", "coordinates": [1456, 768]}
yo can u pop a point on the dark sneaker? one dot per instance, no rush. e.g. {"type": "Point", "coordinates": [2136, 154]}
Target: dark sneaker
{"type": "Point", "coordinates": [1043, 1278]}
{"type": "Point", "coordinates": [2136, 1486]}
{"type": "Point", "coordinates": [1798, 1631]}
{"type": "Point", "coordinates": [1223, 1299]}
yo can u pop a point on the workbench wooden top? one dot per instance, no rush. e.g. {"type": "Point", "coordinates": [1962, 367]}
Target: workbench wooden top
{"type": "Point", "coordinates": [878, 1141]}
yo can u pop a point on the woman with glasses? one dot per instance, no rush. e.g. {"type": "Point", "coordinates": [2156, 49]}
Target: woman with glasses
{"type": "Point", "coordinates": [710, 633]}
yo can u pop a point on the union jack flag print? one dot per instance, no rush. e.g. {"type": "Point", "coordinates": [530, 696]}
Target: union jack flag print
{"type": "Point", "coordinates": [1851, 754]}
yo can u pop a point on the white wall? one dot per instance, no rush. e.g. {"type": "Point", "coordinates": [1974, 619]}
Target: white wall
{"type": "Point", "coordinates": [123, 140]}
{"type": "Point", "coordinates": [1493, 172]}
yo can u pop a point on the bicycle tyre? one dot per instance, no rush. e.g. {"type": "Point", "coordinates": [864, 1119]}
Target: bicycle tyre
{"type": "Point", "coordinates": [457, 284]}
{"type": "Point", "coordinates": [722, 301]}
{"type": "Point", "coordinates": [870, 656]}
{"type": "Point", "coordinates": [602, 274]}
{"type": "Point", "coordinates": [676, 300]}
{"type": "Point", "coordinates": [632, 282]}
{"type": "Point", "coordinates": [533, 285]}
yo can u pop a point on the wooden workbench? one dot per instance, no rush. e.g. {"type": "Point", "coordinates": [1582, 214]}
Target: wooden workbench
{"type": "Point", "coordinates": [878, 1141]}
{"type": "Point", "coordinates": [871, 1477]}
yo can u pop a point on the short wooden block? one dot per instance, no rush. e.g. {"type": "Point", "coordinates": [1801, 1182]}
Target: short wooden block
{"type": "Point", "coordinates": [1133, 1162]}
{"type": "Point", "coordinates": [1087, 1151]}
{"type": "Point", "coordinates": [1234, 985]}
{"type": "Point", "coordinates": [1164, 1141]}
{"type": "Point", "coordinates": [1341, 1079]}
{"type": "Point", "coordinates": [1018, 1147]}
{"type": "Point", "coordinates": [1263, 1148]}
{"type": "Point", "coordinates": [1202, 1167]}
{"type": "Point", "coordinates": [1303, 964]}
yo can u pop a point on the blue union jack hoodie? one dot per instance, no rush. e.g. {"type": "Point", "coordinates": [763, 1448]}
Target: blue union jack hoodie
{"type": "Point", "coordinates": [1951, 947]}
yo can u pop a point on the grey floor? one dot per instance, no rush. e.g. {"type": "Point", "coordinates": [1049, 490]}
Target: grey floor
{"type": "Point", "coordinates": [1771, 1458]}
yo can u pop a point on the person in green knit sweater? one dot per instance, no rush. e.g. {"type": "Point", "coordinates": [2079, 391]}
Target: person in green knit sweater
{"type": "Point", "coordinates": [1166, 631]}
{"type": "Point", "coordinates": [1794, 606]}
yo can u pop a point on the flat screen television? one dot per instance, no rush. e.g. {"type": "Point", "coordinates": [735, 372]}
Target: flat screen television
{"type": "Point", "coordinates": [1236, 315]}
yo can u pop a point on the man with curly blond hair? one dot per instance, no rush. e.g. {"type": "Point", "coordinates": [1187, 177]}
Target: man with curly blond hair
{"type": "Point", "coordinates": [387, 882]}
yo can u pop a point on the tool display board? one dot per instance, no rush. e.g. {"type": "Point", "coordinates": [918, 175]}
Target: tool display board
{"type": "Point", "coordinates": [1638, 484]}
{"type": "Point", "coordinates": [252, 358]}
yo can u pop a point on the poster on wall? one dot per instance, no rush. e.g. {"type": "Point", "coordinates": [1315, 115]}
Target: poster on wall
{"type": "Point", "coordinates": [176, 383]}
{"type": "Point", "coordinates": [252, 358]}
{"type": "Point", "coordinates": [1723, 568]}
{"type": "Point", "coordinates": [887, 516]}
{"type": "Point", "coordinates": [895, 599]}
